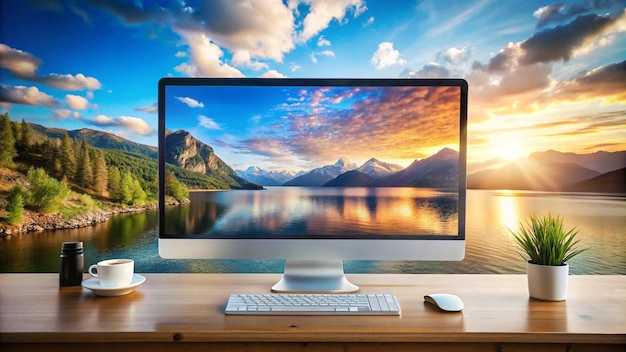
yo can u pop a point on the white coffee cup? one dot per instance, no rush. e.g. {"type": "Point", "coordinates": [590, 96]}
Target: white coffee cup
{"type": "Point", "coordinates": [114, 272]}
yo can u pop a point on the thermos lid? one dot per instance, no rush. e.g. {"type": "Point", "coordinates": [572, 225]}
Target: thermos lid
{"type": "Point", "coordinates": [68, 246]}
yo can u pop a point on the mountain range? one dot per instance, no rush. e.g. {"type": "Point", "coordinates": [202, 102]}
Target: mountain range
{"type": "Point", "coordinates": [98, 139]}
{"type": "Point", "coordinates": [555, 171]}
{"type": "Point", "coordinates": [266, 178]}
{"type": "Point", "coordinates": [196, 164]}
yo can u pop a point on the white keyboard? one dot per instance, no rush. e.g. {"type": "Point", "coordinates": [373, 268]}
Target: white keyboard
{"type": "Point", "coordinates": [312, 304]}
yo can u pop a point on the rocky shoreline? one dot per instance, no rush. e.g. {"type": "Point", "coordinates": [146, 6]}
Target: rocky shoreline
{"type": "Point", "coordinates": [36, 222]}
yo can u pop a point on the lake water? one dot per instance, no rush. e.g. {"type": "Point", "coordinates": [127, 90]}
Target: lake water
{"type": "Point", "coordinates": [601, 220]}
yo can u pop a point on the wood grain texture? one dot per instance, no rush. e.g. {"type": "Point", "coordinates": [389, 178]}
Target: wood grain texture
{"type": "Point", "coordinates": [187, 310]}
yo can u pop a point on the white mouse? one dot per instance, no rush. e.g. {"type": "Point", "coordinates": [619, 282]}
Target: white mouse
{"type": "Point", "coordinates": [445, 301]}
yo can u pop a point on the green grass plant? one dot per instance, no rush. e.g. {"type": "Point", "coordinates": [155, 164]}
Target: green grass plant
{"type": "Point", "coordinates": [546, 242]}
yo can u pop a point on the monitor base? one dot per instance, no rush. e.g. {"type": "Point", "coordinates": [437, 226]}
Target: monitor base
{"type": "Point", "coordinates": [315, 276]}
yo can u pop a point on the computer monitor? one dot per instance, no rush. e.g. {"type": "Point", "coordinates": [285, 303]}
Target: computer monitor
{"type": "Point", "coordinates": [313, 171]}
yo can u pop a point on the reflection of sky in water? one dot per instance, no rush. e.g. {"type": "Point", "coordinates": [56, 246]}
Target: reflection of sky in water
{"type": "Point", "coordinates": [329, 211]}
{"type": "Point", "coordinates": [489, 246]}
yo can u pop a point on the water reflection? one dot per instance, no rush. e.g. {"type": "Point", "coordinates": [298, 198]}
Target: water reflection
{"type": "Point", "coordinates": [489, 246]}
{"type": "Point", "coordinates": [317, 211]}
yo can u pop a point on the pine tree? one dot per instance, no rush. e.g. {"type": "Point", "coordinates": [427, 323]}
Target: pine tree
{"type": "Point", "coordinates": [26, 134]}
{"type": "Point", "coordinates": [114, 180]}
{"type": "Point", "coordinates": [67, 158]}
{"type": "Point", "coordinates": [100, 174]}
{"type": "Point", "coordinates": [7, 141]}
{"type": "Point", "coordinates": [23, 145]}
{"type": "Point", "coordinates": [84, 172]}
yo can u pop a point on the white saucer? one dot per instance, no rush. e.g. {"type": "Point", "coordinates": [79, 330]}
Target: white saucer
{"type": "Point", "coordinates": [94, 285]}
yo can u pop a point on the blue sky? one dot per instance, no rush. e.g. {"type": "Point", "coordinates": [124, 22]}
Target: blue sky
{"type": "Point", "coordinates": [542, 75]}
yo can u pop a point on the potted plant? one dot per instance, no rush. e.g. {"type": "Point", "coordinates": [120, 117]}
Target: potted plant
{"type": "Point", "coordinates": [548, 246]}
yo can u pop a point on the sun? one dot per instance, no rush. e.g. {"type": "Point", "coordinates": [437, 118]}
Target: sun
{"type": "Point", "coordinates": [509, 151]}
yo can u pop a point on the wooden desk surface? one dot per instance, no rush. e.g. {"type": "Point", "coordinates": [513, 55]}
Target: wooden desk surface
{"type": "Point", "coordinates": [187, 309]}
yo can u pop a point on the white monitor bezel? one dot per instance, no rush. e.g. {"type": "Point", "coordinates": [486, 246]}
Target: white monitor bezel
{"type": "Point", "coordinates": [415, 248]}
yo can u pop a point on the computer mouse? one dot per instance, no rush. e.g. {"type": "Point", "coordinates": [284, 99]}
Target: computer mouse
{"type": "Point", "coordinates": [445, 301]}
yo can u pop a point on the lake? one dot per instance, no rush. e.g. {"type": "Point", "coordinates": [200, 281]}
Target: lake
{"type": "Point", "coordinates": [600, 218]}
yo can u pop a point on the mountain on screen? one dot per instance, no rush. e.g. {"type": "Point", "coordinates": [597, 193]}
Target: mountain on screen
{"type": "Point", "coordinates": [440, 170]}
{"type": "Point", "coordinates": [266, 178]}
{"type": "Point", "coordinates": [321, 175]}
{"type": "Point", "coordinates": [378, 169]}
{"type": "Point", "coordinates": [188, 153]}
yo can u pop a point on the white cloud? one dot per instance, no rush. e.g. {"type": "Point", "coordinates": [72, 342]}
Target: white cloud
{"type": "Point", "coordinates": [24, 65]}
{"type": "Point", "coordinates": [63, 113]}
{"type": "Point", "coordinates": [208, 123]}
{"type": "Point", "coordinates": [369, 21]}
{"type": "Point", "coordinates": [190, 102]}
{"type": "Point", "coordinates": [103, 120]}
{"type": "Point", "coordinates": [455, 55]}
{"type": "Point", "coordinates": [272, 74]}
{"type": "Point", "coordinates": [430, 70]}
{"type": "Point", "coordinates": [327, 53]}
{"type": "Point", "coordinates": [324, 11]}
{"type": "Point", "coordinates": [205, 58]}
{"type": "Point", "coordinates": [133, 124]}
{"type": "Point", "coordinates": [242, 58]}
{"type": "Point", "coordinates": [19, 62]}
{"type": "Point", "coordinates": [136, 125]}
{"type": "Point", "coordinates": [26, 95]}
{"type": "Point", "coordinates": [76, 102]}
{"type": "Point", "coordinates": [323, 41]}
{"type": "Point", "coordinates": [70, 82]}
{"type": "Point", "coordinates": [152, 109]}
{"type": "Point", "coordinates": [386, 55]}
{"type": "Point", "coordinates": [264, 28]}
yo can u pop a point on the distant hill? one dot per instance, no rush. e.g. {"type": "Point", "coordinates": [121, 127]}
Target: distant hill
{"type": "Point", "coordinates": [528, 174]}
{"type": "Point", "coordinates": [440, 170]}
{"type": "Point", "coordinates": [192, 155]}
{"type": "Point", "coordinates": [98, 139]}
{"type": "Point", "coordinates": [321, 175]}
{"type": "Point", "coordinates": [601, 161]}
{"type": "Point", "coordinates": [610, 182]}
{"type": "Point", "coordinates": [555, 171]}
{"type": "Point", "coordinates": [353, 178]}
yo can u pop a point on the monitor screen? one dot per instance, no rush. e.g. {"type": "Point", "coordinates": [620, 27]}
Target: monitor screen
{"type": "Point", "coordinates": [312, 168]}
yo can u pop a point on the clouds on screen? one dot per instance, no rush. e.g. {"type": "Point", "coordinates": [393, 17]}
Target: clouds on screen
{"type": "Point", "coordinates": [383, 124]}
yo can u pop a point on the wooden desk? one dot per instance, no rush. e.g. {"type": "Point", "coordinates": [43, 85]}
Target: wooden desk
{"type": "Point", "coordinates": [185, 312]}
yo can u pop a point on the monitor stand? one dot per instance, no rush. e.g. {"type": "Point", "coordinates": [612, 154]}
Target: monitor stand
{"type": "Point", "coordinates": [314, 276]}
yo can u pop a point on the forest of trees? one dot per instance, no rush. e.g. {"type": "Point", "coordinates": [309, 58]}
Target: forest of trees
{"type": "Point", "coordinates": [54, 167]}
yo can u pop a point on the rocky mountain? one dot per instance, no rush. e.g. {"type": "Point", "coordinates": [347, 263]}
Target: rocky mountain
{"type": "Point", "coordinates": [440, 170]}
{"type": "Point", "coordinates": [321, 175]}
{"type": "Point", "coordinates": [377, 169]}
{"type": "Point", "coordinates": [98, 139]}
{"type": "Point", "coordinates": [185, 151]}
{"type": "Point", "coordinates": [266, 178]}
{"type": "Point", "coordinates": [555, 171]}
{"type": "Point", "coordinates": [353, 178]}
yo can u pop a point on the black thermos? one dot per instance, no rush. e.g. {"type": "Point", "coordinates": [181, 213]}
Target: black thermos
{"type": "Point", "coordinates": [72, 262]}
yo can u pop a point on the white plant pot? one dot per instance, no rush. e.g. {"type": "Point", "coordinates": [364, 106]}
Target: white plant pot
{"type": "Point", "coordinates": [548, 283]}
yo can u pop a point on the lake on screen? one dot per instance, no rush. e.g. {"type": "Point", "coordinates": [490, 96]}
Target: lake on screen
{"type": "Point", "coordinates": [600, 219]}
